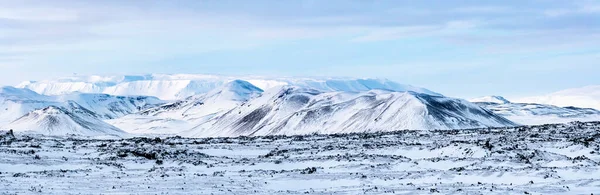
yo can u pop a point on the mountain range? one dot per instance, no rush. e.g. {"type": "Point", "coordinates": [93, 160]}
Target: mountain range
{"type": "Point", "coordinates": [583, 97]}
{"type": "Point", "coordinates": [294, 110]}
{"type": "Point", "coordinates": [179, 86]}
{"type": "Point", "coordinates": [536, 114]}
{"type": "Point", "coordinates": [208, 106]}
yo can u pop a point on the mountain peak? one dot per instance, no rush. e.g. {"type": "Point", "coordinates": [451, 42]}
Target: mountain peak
{"type": "Point", "coordinates": [241, 86]}
{"type": "Point", "coordinates": [491, 99]}
{"type": "Point", "coordinates": [52, 110]}
{"type": "Point", "coordinates": [238, 90]}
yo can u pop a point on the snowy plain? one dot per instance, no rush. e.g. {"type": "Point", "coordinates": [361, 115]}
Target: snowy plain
{"type": "Point", "coordinates": [547, 159]}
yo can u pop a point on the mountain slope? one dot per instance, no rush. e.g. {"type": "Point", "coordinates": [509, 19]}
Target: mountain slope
{"type": "Point", "coordinates": [296, 110]}
{"type": "Point", "coordinates": [16, 102]}
{"type": "Point", "coordinates": [54, 120]}
{"type": "Point", "coordinates": [180, 86]}
{"type": "Point", "coordinates": [108, 106]}
{"type": "Point", "coordinates": [584, 97]}
{"type": "Point", "coordinates": [536, 114]}
{"type": "Point", "coordinates": [217, 100]}
{"type": "Point", "coordinates": [181, 115]}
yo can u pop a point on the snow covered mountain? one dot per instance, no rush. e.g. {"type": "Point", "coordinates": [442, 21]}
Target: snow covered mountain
{"type": "Point", "coordinates": [294, 110]}
{"type": "Point", "coordinates": [536, 114]}
{"type": "Point", "coordinates": [54, 120]}
{"type": "Point", "coordinates": [237, 107]}
{"type": "Point", "coordinates": [16, 102]}
{"type": "Point", "coordinates": [584, 97]}
{"type": "Point", "coordinates": [217, 100]}
{"type": "Point", "coordinates": [181, 115]}
{"type": "Point", "coordinates": [108, 106]}
{"type": "Point", "coordinates": [180, 86]}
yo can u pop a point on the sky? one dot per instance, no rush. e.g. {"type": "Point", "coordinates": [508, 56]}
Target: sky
{"type": "Point", "coordinates": [465, 48]}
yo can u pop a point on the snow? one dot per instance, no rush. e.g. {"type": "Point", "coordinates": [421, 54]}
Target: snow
{"type": "Point", "coordinates": [237, 107]}
{"type": "Point", "coordinates": [173, 118]}
{"type": "Point", "coordinates": [292, 110]}
{"type": "Point", "coordinates": [179, 86]}
{"type": "Point", "coordinates": [108, 106]}
{"type": "Point", "coordinates": [584, 97]}
{"type": "Point", "coordinates": [548, 159]}
{"type": "Point", "coordinates": [537, 114]}
{"type": "Point", "coordinates": [54, 120]}
{"type": "Point", "coordinates": [16, 102]}
{"type": "Point", "coordinates": [141, 124]}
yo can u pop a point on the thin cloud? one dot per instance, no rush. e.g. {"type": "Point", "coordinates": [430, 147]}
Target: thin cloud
{"type": "Point", "coordinates": [587, 8]}
{"type": "Point", "coordinates": [38, 14]}
{"type": "Point", "coordinates": [392, 33]}
{"type": "Point", "coordinates": [483, 9]}
{"type": "Point", "coordinates": [89, 36]}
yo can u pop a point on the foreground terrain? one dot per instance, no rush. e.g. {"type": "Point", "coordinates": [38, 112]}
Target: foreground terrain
{"type": "Point", "coordinates": [548, 159]}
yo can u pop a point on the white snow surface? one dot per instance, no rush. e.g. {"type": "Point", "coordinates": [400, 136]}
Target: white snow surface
{"type": "Point", "coordinates": [537, 114]}
{"type": "Point", "coordinates": [548, 159]}
{"type": "Point", "coordinates": [180, 86]}
{"type": "Point", "coordinates": [584, 97]}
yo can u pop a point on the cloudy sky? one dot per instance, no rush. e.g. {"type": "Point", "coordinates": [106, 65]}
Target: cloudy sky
{"type": "Point", "coordinates": [458, 48]}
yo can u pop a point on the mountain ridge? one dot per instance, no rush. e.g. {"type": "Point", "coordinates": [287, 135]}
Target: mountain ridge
{"type": "Point", "coordinates": [583, 97]}
{"type": "Point", "coordinates": [295, 110]}
{"type": "Point", "coordinates": [179, 86]}
{"type": "Point", "coordinates": [16, 102]}
{"type": "Point", "coordinates": [537, 114]}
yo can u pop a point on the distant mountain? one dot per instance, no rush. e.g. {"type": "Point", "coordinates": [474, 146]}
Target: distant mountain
{"type": "Point", "coordinates": [109, 106]}
{"type": "Point", "coordinates": [535, 114]}
{"type": "Point", "coordinates": [54, 120]}
{"type": "Point", "coordinates": [584, 97]}
{"type": "Point", "coordinates": [180, 86]}
{"type": "Point", "coordinates": [16, 102]}
{"type": "Point", "coordinates": [492, 99]}
{"type": "Point", "coordinates": [296, 110]}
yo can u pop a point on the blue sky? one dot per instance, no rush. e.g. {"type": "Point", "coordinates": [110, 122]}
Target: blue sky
{"type": "Point", "coordinates": [459, 48]}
